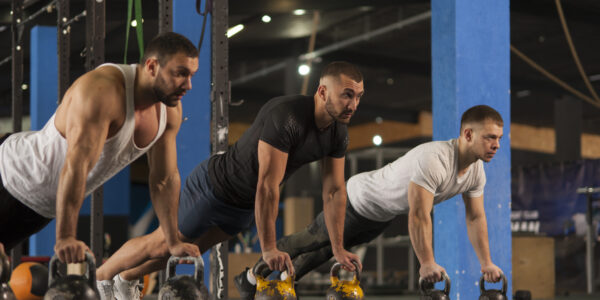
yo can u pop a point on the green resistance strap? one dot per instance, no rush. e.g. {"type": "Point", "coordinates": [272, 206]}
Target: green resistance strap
{"type": "Point", "coordinates": [139, 29]}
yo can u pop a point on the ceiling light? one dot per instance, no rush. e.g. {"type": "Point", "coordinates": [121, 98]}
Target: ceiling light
{"type": "Point", "coordinates": [266, 19]}
{"type": "Point", "coordinates": [235, 29]}
{"type": "Point", "coordinates": [24, 86]}
{"type": "Point", "coordinates": [595, 77]}
{"type": "Point", "coordinates": [303, 69]}
{"type": "Point", "coordinates": [377, 140]}
{"type": "Point", "coordinates": [299, 12]}
{"type": "Point", "coordinates": [133, 23]}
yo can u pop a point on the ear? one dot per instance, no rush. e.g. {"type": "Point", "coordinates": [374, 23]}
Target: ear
{"type": "Point", "coordinates": [322, 92]}
{"type": "Point", "coordinates": [468, 132]}
{"type": "Point", "coordinates": [152, 66]}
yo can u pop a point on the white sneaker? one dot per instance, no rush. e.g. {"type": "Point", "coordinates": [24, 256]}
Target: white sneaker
{"type": "Point", "coordinates": [126, 290]}
{"type": "Point", "coordinates": [105, 287]}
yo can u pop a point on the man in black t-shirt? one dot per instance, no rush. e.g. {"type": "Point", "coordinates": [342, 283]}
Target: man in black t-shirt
{"type": "Point", "coordinates": [225, 192]}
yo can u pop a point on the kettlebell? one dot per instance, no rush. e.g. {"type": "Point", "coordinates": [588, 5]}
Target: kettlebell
{"type": "Point", "coordinates": [184, 286]}
{"type": "Point", "coordinates": [433, 294]}
{"type": "Point", "coordinates": [6, 292]}
{"type": "Point", "coordinates": [72, 287]}
{"type": "Point", "coordinates": [492, 294]}
{"type": "Point", "coordinates": [344, 289]}
{"type": "Point", "coordinates": [273, 289]}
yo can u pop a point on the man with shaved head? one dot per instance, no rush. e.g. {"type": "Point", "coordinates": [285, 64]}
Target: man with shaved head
{"type": "Point", "coordinates": [225, 192]}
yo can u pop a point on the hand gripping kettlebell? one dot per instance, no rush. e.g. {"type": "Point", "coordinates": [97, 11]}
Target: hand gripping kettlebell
{"type": "Point", "coordinates": [72, 287]}
{"type": "Point", "coordinates": [344, 289]}
{"type": "Point", "coordinates": [433, 294]}
{"type": "Point", "coordinates": [273, 289]}
{"type": "Point", "coordinates": [6, 292]}
{"type": "Point", "coordinates": [492, 294]}
{"type": "Point", "coordinates": [184, 286]}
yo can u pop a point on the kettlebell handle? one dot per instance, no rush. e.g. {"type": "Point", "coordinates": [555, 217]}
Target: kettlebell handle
{"type": "Point", "coordinates": [446, 286]}
{"type": "Point", "coordinates": [258, 268]}
{"type": "Point", "coordinates": [335, 270]}
{"type": "Point", "coordinates": [482, 284]}
{"type": "Point", "coordinates": [91, 269]}
{"type": "Point", "coordinates": [4, 268]}
{"type": "Point", "coordinates": [198, 267]}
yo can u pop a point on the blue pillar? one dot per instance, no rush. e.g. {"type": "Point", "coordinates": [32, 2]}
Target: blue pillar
{"type": "Point", "coordinates": [43, 91]}
{"type": "Point", "coordinates": [193, 140]}
{"type": "Point", "coordinates": [44, 87]}
{"type": "Point", "coordinates": [471, 66]}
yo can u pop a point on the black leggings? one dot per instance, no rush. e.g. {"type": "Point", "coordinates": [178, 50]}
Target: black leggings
{"type": "Point", "coordinates": [311, 247]}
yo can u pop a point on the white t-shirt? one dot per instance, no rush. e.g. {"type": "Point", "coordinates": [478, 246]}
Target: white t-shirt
{"type": "Point", "coordinates": [381, 195]}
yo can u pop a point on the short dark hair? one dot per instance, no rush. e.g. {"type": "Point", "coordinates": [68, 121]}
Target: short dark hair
{"type": "Point", "coordinates": [167, 44]}
{"type": "Point", "coordinates": [338, 68]}
{"type": "Point", "coordinates": [480, 113]}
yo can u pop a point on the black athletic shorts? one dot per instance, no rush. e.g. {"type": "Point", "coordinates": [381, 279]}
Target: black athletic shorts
{"type": "Point", "coordinates": [17, 221]}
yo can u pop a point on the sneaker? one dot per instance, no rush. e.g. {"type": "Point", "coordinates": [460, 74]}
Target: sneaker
{"type": "Point", "coordinates": [126, 290]}
{"type": "Point", "coordinates": [105, 288]}
{"type": "Point", "coordinates": [244, 287]}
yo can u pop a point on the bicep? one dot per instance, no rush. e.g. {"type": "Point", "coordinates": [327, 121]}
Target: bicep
{"type": "Point", "coordinates": [271, 164]}
{"type": "Point", "coordinates": [420, 200]}
{"type": "Point", "coordinates": [162, 157]}
{"type": "Point", "coordinates": [333, 173]}
{"type": "Point", "coordinates": [473, 206]}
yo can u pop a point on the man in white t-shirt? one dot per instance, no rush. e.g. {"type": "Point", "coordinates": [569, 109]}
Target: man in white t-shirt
{"type": "Point", "coordinates": [428, 174]}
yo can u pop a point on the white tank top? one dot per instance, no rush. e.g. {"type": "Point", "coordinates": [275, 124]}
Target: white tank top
{"type": "Point", "coordinates": [31, 161]}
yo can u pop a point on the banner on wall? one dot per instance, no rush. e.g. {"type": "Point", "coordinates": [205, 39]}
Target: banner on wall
{"type": "Point", "coordinates": [545, 199]}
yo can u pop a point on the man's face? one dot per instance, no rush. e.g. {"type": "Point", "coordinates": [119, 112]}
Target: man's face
{"type": "Point", "coordinates": [342, 97]}
{"type": "Point", "coordinates": [174, 79]}
{"type": "Point", "coordinates": [485, 139]}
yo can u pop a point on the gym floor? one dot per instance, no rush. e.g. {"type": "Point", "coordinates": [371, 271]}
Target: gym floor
{"type": "Point", "coordinates": [415, 297]}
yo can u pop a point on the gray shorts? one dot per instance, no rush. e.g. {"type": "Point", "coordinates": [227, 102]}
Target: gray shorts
{"type": "Point", "coordinates": [200, 209]}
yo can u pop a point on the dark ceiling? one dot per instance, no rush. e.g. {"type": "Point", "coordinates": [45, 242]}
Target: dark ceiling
{"type": "Point", "coordinates": [396, 65]}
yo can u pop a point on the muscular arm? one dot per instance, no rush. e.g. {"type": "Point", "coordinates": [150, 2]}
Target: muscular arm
{"type": "Point", "coordinates": [89, 114]}
{"type": "Point", "coordinates": [420, 203]}
{"type": "Point", "coordinates": [271, 169]}
{"type": "Point", "coordinates": [478, 235]}
{"type": "Point", "coordinates": [334, 209]}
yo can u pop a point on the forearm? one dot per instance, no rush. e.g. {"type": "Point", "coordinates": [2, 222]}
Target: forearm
{"type": "Point", "coordinates": [266, 207]}
{"type": "Point", "coordinates": [419, 228]}
{"type": "Point", "coordinates": [69, 197]}
{"type": "Point", "coordinates": [334, 209]}
{"type": "Point", "coordinates": [478, 234]}
{"type": "Point", "coordinates": [165, 199]}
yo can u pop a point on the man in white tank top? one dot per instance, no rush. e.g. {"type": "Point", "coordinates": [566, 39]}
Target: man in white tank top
{"type": "Point", "coordinates": [428, 174]}
{"type": "Point", "coordinates": [107, 118]}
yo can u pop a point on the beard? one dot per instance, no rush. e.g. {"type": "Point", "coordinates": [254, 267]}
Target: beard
{"type": "Point", "coordinates": [338, 116]}
{"type": "Point", "coordinates": [160, 90]}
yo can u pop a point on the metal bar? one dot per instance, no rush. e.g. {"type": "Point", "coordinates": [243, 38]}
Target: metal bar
{"type": "Point", "coordinates": [63, 48]}
{"type": "Point", "coordinates": [411, 268]}
{"type": "Point", "coordinates": [46, 9]}
{"type": "Point", "coordinates": [589, 253]}
{"type": "Point", "coordinates": [380, 260]}
{"type": "Point", "coordinates": [17, 65]}
{"type": "Point", "coordinates": [17, 92]}
{"type": "Point", "coordinates": [6, 60]}
{"type": "Point", "coordinates": [76, 18]}
{"type": "Point", "coordinates": [339, 45]}
{"type": "Point", "coordinates": [95, 32]}
{"type": "Point", "coordinates": [165, 16]}
{"type": "Point", "coordinates": [220, 100]}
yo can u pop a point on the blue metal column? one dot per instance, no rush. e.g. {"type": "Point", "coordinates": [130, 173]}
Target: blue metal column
{"type": "Point", "coordinates": [193, 140]}
{"type": "Point", "coordinates": [471, 66]}
{"type": "Point", "coordinates": [44, 82]}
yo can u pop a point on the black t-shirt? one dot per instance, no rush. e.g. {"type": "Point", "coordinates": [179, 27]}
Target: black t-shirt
{"type": "Point", "coordinates": [286, 123]}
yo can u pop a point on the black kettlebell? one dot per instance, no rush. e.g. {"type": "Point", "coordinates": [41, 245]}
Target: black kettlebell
{"type": "Point", "coordinates": [183, 286]}
{"type": "Point", "coordinates": [492, 294]}
{"type": "Point", "coordinates": [6, 292]}
{"type": "Point", "coordinates": [72, 287]}
{"type": "Point", "coordinates": [433, 294]}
